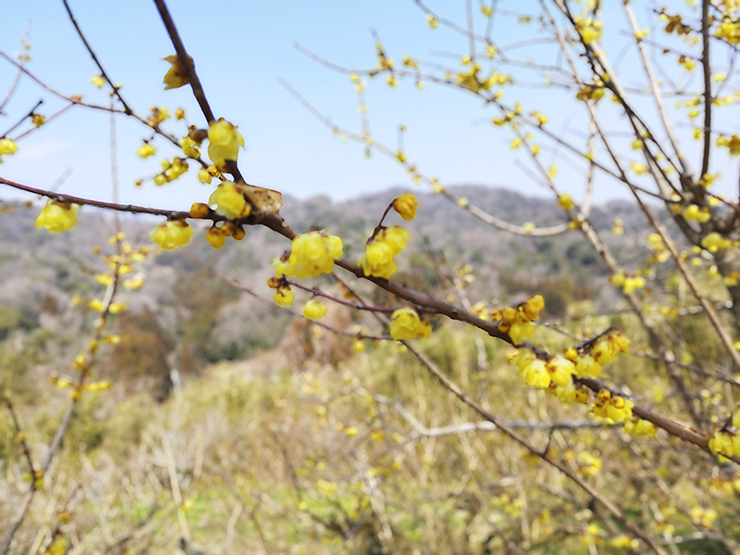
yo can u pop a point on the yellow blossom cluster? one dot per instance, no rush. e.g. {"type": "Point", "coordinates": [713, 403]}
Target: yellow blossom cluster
{"type": "Point", "coordinates": [56, 216]}
{"type": "Point", "coordinates": [636, 426]}
{"type": "Point", "coordinates": [589, 29]}
{"type": "Point", "coordinates": [190, 146]}
{"type": "Point", "coordinates": [172, 233]}
{"type": "Point", "coordinates": [406, 324]}
{"type": "Point", "coordinates": [590, 358]}
{"type": "Point", "coordinates": [170, 170]}
{"type": "Point", "coordinates": [693, 213]}
{"type": "Point", "coordinates": [727, 441]}
{"type": "Point", "coordinates": [612, 408]}
{"type": "Point", "coordinates": [588, 464]}
{"type": "Point", "coordinates": [714, 242]}
{"type": "Point", "coordinates": [593, 92]}
{"type": "Point", "coordinates": [565, 202]}
{"type": "Point", "coordinates": [146, 150]}
{"type": "Point", "coordinates": [230, 202]}
{"type": "Point", "coordinates": [732, 144]}
{"type": "Point", "coordinates": [223, 142]}
{"type": "Point", "coordinates": [556, 373]}
{"type": "Point", "coordinates": [216, 236]}
{"type": "Point", "coordinates": [517, 322]}
{"type": "Point", "coordinates": [380, 250]}
{"type": "Point", "coordinates": [729, 29]}
{"type": "Point", "coordinates": [7, 147]}
{"type": "Point", "coordinates": [311, 254]}
{"type": "Point", "coordinates": [628, 283]}
{"type": "Point", "coordinates": [159, 114]}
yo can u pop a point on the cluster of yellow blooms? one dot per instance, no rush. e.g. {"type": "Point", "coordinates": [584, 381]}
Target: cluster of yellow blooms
{"type": "Point", "coordinates": [172, 233]}
{"type": "Point", "coordinates": [629, 284]}
{"type": "Point", "coordinates": [216, 236]}
{"type": "Point", "coordinates": [311, 254]}
{"type": "Point", "coordinates": [589, 29]}
{"type": "Point", "coordinates": [170, 170]}
{"type": "Point", "coordinates": [727, 443]}
{"type": "Point", "coordinates": [590, 359]}
{"type": "Point", "coordinates": [714, 242]}
{"type": "Point", "coordinates": [56, 216]}
{"type": "Point", "coordinates": [406, 324]}
{"type": "Point", "coordinates": [543, 374]}
{"type": "Point", "coordinates": [612, 408]}
{"type": "Point", "coordinates": [146, 150]}
{"type": "Point", "coordinates": [585, 362]}
{"type": "Point", "coordinates": [380, 250]}
{"type": "Point", "coordinates": [732, 144]}
{"type": "Point", "coordinates": [7, 146]}
{"type": "Point", "coordinates": [517, 322]}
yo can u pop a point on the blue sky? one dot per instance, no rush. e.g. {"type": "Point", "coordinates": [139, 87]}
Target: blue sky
{"type": "Point", "coordinates": [241, 49]}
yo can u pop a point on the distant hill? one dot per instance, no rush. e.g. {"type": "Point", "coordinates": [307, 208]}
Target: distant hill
{"type": "Point", "coordinates": [41, 271]}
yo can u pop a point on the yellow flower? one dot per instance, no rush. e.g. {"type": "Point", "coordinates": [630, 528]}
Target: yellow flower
{"type": "Point", "coordinates": [732, 143]}
{"type": "Point", "coordinates": [146, 151]}
{"type": "Point", "coordinates": [38, 120]}
{"type": "Point", "coordinates": [618, 408]}
{"type": "Point", "coordinates": [406, 205]}
{"type": "Point", "coordinates": [722, 444]}
{"type": "Point", "coordinates": [199, 210]}
{"type": "Point", "coordinates": [314, 310]}
{"type": "Point", "coordinates": [520, 330]}
{"type": "Point", "coordinates": [175, 76]}
{"type": "Point", "coordinates": [216, 237]}
{"type": "Point", "coordinates": [230, 201]}
{"type": "Point", "coordinates": [56, 217]}
{"type": "Point", "coordinates": [115, 308]}
{"type": "Point", "coordinates": [636, 426]}
{"type": "Point", "coordinates": [571, 393]}
{"type": "Point", "coordinates": [535, 374]}
{"type": "Point", "coordinates": [381, 249]}
{"type": "Point", "coordinates": [284, 296]}
{"type": "Point", "coordinates": [223, 141]}
{"type": "Point", "coordinates": [189, 147]}
{"type": "Point", "coordinates": [204, 177]}
{"type": "Point", "coordinates": [565, 201]}
{"type": "Point", "coordinates": [587, 367]}
{"type": "Point", "coordinates": [313, 253]}
{"type": "Point", "coordinates": [173, 233]}
{"type": "Point", "coordinates": [98, 81]}
{"type": "Point", "coordinates": [7, 146]}
{"type": "Point", "coordinates": [532, 307]}
{"type": "Point", "coordinates": [406, 324]}
{"type": "Point", "coordinates": [561, 369]}
{"type": "Point", "coordinates": [158, 115]}
{"type": "Point", "coordinates": [714, 242]}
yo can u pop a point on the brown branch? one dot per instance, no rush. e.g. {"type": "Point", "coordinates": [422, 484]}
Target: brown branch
{"type": "Point", "coordinates": [707, 70]}
{"type": "Point", "coordinates": [171, 214]}
{"type": "Point", "coordinates": [22, 439]}
{"type": "Point", "coordinates": [185, 60]}
{"type": "Point", "coordinates": [570, 473]}
{"type": "Point", "coordinates": [116, 90]}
